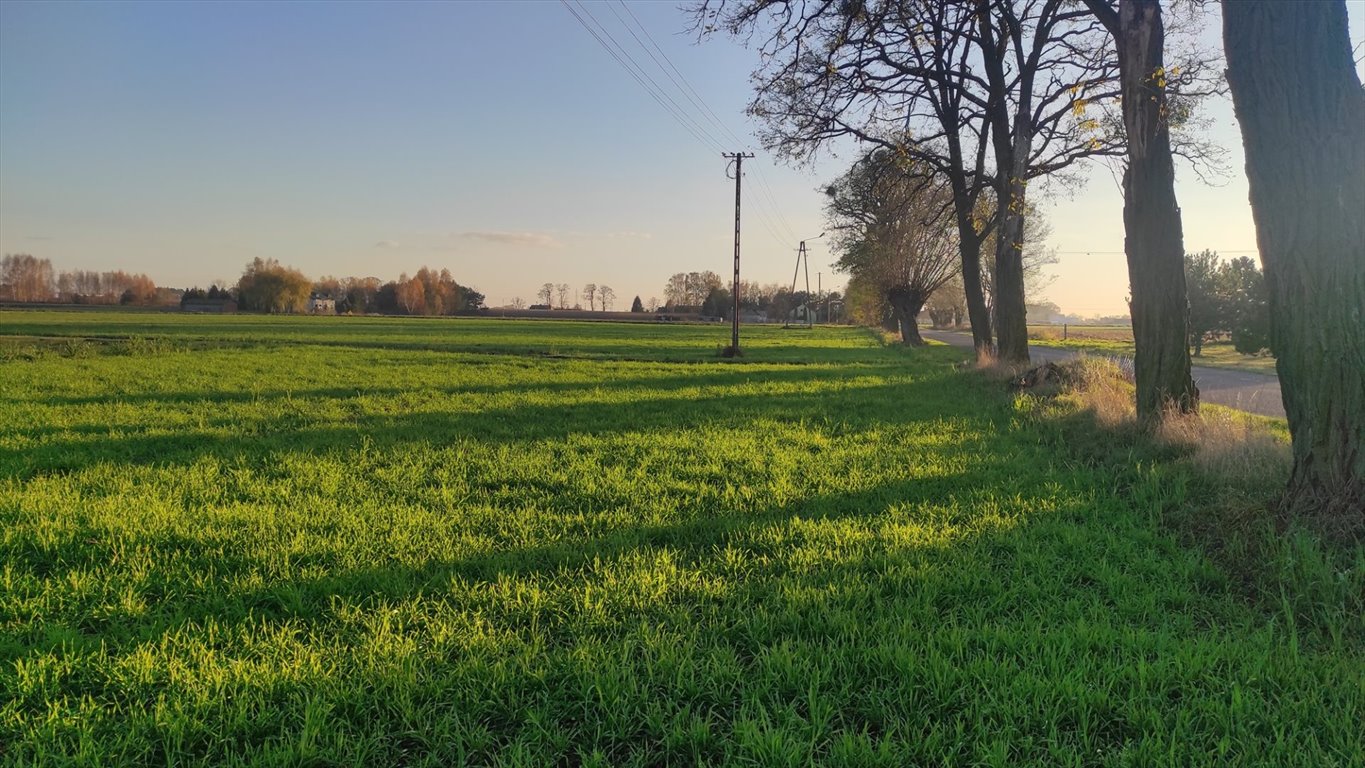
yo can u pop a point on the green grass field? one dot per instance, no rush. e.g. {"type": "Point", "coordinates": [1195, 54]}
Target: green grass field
{"type": "Point", "coordinates": [344, 541]}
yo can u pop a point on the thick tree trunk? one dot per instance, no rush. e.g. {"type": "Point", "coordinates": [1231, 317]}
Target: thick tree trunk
{"type": "Point", "coordinates": [969, 247]}
{"type": "Point", "coordinates": [1154, 244]}
{"type": "Point", "coordinates": [1011, 322]}
{"type": "Point", "coordinates": [906, 305]}
{"type": "Point", "coordinates": [1012, 150]}
{"type": "Point", "coordinates": [1302, 114]}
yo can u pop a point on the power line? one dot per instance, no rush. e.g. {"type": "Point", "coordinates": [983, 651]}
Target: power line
{"type": "Point", "coordinates": [686, 88]}
{"type": "Point", "coordinates": [640, 76]}
{"type": "Point", "coordinates": [738, 157]}
{"type": "Point", "coordinates": [765, 203]}
{"type": "Point", "coordinates": [767, 190]}
{"type": "Point", "coordinates": [763, 218]}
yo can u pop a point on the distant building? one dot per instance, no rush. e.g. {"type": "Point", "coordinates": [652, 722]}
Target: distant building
{"type": "Point", "coordinates": [209, 306]}
{"type": "Point", "coordinates": [322, 305]}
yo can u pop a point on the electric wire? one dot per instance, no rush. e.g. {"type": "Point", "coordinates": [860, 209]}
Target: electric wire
{"type": "Point", "coordinates": [762, 217]}
{"type": "Point", "coordinates": [685, 88]}
{"type": "Point", "coordinates": [678, 108]}
{"type": "Point", "coordinates": [640, 76]}
{"type": "Point", "coordinates": [764, 204]}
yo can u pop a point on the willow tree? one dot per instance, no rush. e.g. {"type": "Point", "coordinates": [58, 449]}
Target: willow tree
{"type": "Point", "coordinates": [1302, 114]}
{"type": "Point", "coordinates": [893, 232]}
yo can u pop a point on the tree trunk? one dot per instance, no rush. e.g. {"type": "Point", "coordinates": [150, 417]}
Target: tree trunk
{"type": "Point", "coordinates": [1154, 244]}
{"type": "Point", "coordinates": [969, 249]}
{"type": "Point", "coordinates": [1302, 114]}
{"type": "Point", "coordinates": [1012, 149]}
{"type": "Point", "coordinates": [1011, 322]}
{"type": "Point", "coordinates": [906, 305]}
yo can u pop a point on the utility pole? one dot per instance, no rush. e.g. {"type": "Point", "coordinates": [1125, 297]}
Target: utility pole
{"type": "Point", "coordinates": [802, 260]}
{"type": "Point", "coordinates": [738, 157]}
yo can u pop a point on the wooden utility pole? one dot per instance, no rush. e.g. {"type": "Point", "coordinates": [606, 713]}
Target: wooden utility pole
{"type": "Point", "coordinates": [738, 157]}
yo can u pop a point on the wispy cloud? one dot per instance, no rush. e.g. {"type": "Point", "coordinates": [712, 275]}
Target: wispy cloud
{"type": "Point", "coordinates": [386, 244]}
{"type": "Point", "coordinates": [533, 239]}
{"type": "Point", "coordinates": [630, 236]}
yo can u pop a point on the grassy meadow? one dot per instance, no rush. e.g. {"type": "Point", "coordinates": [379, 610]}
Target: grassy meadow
{"type": "Point", "coordinates": [1118, 340]}
{"type": "Point", "coordinates": [352, 541]}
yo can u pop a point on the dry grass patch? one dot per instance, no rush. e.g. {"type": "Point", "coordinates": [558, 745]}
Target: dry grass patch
{"type": "Point", "coordinates": [1237, 448]}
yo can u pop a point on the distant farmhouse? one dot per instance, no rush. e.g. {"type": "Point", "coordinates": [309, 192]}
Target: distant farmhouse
{"type": "Point", "coordinates": [322, 305]}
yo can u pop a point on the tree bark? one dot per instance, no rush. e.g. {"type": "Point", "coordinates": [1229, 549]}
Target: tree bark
{"type": "Point", "coordinates": [969, 248]}
{"type": "Point", "coordinates": [1154, 243]}
{"type": "Point", "coordinates": [907, 305]}
{"type": "Point", "coordinates": [1011, 321]}
{"type": "Point", "coordinates": [1301, 110]}
{"type": "Point", "coordinates": [1012, 149]}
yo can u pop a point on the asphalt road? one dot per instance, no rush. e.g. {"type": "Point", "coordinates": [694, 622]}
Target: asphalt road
{"type": "Point", "coordinates": [1244, 390]}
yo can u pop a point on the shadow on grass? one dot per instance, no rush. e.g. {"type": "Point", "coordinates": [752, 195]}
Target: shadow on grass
{"type": "Point", "coordinates": [708, 376]}
{"type": "Point", "coordinates": [289, 431]}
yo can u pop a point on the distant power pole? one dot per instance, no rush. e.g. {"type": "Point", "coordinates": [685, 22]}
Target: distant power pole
{"type": "Point", "coordinates": [738, 157]}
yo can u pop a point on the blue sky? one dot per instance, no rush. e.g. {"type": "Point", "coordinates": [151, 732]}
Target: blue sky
{"type": "Point", "coordinates": [495, 139]}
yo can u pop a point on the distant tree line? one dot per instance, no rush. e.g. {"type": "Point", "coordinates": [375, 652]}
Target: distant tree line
{"type": "Point", "coordinates": [707, 294]}
{"type": "Point", "coordinates": [266, 285]}
{"type": "Point", "coordinates": [597, 297]}
{"type": "Point", "coordinates": [26, 278]}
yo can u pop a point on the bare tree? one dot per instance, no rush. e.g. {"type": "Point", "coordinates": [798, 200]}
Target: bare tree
{"type": "Point", "coordinates": [24, 277]}
{"type": "Point", "coordinates": [1301, 110]}
{"type": "Point", "coordinates": [546, 294]}
{"type": "Point", "coordinates": [590, 295]}
{"type": "Point", "coordinates": [605, 296]}
{"type": "Point", "coordinates": [563, 290]}
{"type": "Point", "coordinates": [690, 289]}
{"type": "Point", "coordinates": [1008, 81]}
{"type": "Point", "coordinates": [1045, 63]}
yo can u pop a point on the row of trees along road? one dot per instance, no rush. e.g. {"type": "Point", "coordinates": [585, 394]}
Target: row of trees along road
{"type": "Point", "coordinates": [892, 227]}
{"type": "Point", "coordinates": [994, 94]}
{"type": "Point", "coordinates": [889, 230]}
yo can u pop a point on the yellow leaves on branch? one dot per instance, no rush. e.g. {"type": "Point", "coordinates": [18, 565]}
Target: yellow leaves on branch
{"type": "Point", "coordinates": [1161, 75]}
